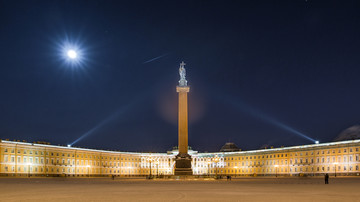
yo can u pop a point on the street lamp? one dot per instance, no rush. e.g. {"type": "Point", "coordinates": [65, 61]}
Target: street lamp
{"type": "Point", "coordinates": [276, 166]}
{"type": "Point", "coordinates": [335, 167]}
{"type": "Point", "coordinates": [29, 164]}
{"type": "Point", "coordinates": [235, 170]}
{"type": "Point", "coordinates": [208, 165]}
{"type": "Point", "coordinates": [157, 168]}
{"type": "Point", "coordinates": [88, 168]}
{"type": "Point", "coordinates": [150, 159]}
{"type": "Point", "coordinates": [216, 160]}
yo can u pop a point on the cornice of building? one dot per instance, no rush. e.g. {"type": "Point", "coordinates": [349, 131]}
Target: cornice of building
{"type": "Point", "coordinates": [250, 152]}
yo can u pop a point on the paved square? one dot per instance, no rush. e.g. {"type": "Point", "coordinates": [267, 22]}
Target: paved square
{"type": "Point", "coordinates": [239, 189]}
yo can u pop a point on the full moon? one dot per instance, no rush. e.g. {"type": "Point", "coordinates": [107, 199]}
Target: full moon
{"type": "Point", "coordinates": [72, 54]}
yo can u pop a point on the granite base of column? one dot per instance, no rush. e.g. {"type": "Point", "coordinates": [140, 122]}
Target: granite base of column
{"type": "Point", "coordinates": [183, 164]}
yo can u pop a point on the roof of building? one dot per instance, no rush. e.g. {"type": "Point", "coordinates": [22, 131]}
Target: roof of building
{"type": "Point", "coordinates": [351, 133]}
{"type": "Point", "coordinates": [229, 147]}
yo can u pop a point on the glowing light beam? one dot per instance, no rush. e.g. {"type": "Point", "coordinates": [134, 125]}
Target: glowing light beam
{"type": "Point", "coordinates": [258, 114]}
{"type": "Point", "coordinates": [103, 123]}
{"type": "Point", "coordinates": [114, 116]}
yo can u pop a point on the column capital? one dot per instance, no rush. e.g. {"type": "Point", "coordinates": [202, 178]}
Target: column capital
{"type": "Point", "coordinates": [182, 89]}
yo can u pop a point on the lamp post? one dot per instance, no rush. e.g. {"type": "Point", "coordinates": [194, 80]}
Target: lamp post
{"type": "Point", "coordinates": [235, 170]}
{"type": "Point", "coordinates": [216, 160]}
{"type": "Point", "coordinates": [29, 164]}
{"type": "Point", "coordinates": [150, 159]}
{"type": "Point", "coordinates": [335, 167]}
{"type": "Point", "coordinates": [157, 169]}
{"type": "Point", "coordinates": [276, 166]}
{"type": "Point", "coordinates": [88, 168]}
{"type": "Point", "coordinates": [208, 165]}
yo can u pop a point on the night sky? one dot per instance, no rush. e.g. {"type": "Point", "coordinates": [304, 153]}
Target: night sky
{"type": "Point", "coordinates": [255, 69]}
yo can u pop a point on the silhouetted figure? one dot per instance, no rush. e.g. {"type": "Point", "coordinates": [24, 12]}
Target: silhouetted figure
{"type": "Point", "coordinates": [326, 178]}
{"type": "Point", "coordinates": [228, 177]}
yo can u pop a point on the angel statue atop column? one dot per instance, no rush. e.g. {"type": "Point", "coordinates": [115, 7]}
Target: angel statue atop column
{"type": "Point", "coordinates": [182, 73]}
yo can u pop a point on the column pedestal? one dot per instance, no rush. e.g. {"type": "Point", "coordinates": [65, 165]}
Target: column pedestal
{"type": "Point", "coordinates": [183, 165]}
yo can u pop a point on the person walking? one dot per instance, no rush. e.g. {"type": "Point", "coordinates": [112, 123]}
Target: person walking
{"type": "Point", "coordinates": [326, 178]}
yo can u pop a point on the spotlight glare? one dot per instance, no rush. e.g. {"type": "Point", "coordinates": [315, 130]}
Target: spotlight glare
{"type": "Point", "coordinates": [72, 54]}
{"type": "Point", "coordinates": [317, 142]}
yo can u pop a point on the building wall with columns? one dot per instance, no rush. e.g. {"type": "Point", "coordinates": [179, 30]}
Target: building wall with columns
{"type": "Point", "coordinates": [24, 159]}
{"type": "Point", "coordinates": [316, 159]}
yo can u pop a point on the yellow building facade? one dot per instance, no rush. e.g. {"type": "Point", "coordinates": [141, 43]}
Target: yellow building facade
{"type": "Point", "coordinates": [32, 159]}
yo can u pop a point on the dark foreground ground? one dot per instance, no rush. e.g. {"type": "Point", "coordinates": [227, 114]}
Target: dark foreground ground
{"type": "Point", "coordinates": [239, 189]}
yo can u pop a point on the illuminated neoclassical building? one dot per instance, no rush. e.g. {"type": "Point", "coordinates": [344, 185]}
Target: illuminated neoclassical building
{"type": "Point", "coordinates": [24, 159]}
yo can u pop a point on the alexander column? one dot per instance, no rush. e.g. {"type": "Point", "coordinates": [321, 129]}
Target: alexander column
{"type": "Point", "coordinates": [183, 159]}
